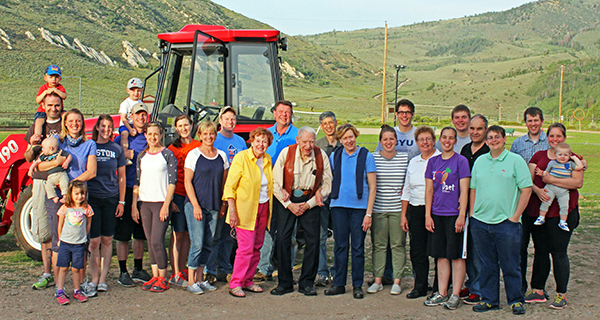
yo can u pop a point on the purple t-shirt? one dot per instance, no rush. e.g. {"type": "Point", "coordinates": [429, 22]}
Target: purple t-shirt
{"type": "Point", "coordinates": [446, 175]}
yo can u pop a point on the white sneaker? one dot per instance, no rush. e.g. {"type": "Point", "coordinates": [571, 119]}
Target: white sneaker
{"type": "Point", "coordinates": [195, 288]}
{"type": "Point", "coordinates": [374, 288]}
{"type": "Point", "coordinates": [102, 287]}
{"type": "Point", "coordinates": [207, 286]}
{"type": "Point", "coordinates": [396, 289]}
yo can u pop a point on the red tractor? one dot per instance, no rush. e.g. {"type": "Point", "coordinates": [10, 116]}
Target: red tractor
{"type": "Point", "coordinates": [203, 69]}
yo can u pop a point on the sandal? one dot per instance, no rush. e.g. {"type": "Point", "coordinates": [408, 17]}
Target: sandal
{"type": "Point", "coordinates": [253, 288]}
{"type": "Point", "coordinates": [237, 292]}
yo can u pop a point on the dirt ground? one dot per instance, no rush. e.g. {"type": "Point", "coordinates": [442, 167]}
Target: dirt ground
{"type": "Point", "coordinates": [19, 301]}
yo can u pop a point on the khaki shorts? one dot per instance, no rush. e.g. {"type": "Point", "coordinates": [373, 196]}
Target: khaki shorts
{"type": "Point", "coordinates": [40, 229]}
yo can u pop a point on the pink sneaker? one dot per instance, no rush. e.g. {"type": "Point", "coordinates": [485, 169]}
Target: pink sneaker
{"type": "Point", "coordinates": [79, 296]}
{"type": "Point", "coordinates": [61, 298]}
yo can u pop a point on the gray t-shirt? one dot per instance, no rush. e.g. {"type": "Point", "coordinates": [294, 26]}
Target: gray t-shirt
{"type": "Point", "coordinates": [406, 142]}
{"type": "Point", "coordinates": [460, 143]}
{"type": "Point", "coordinates": [74, 229]}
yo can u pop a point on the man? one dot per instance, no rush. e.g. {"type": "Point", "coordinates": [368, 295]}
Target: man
{"type": "Point", "coordinates": [300, 173]}
{"type": "Point", "coordinates": [405, 131]}
{"type": "Point", "coordinates": [461, 115]}
{"type": "Point", "coordinates": [526, 146]}
{"type": "Point", "coordinates": [41, 229]}
{"type": "Point", "coordinates": [473, 150]}
{"type": "Point", "coordinates": [284, 134]}
{"type": "Point", "coordinates": [500, 189]}
{"type": "Point", "coordinates": [231, 144]}
{"type": "Point", "coordinates": [126, 227]}
{"type": "Point", "coordinates": [328, 143]}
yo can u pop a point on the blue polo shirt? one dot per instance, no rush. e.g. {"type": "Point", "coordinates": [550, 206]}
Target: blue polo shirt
{"type": "Point", "coordinates": [281, 141]}
{"type": "Point", "coordinates": [347, 195]}
{"type": "Point", "coordinates": [137, 144]}
{"type": "Point", "coordinates": [497, 183]}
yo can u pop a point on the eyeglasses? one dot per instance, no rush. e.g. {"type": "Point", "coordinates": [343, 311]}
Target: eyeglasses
{"type": "Point", "coordinates": [494, 138]}
{"type": "Point", "coordinates": [404, 112]}
{"type": "Point", "coordinates": [232, 233]}
{"type": "Point", "coordinates": [425, 140]}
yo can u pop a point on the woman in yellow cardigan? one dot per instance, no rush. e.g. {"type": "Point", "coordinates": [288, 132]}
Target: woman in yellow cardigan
{"type": "Point", "coordinates": [249, 187]}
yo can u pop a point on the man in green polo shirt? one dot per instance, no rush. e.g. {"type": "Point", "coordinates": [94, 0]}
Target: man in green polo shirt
{"type": "Point", "coordinates": [495, 225]}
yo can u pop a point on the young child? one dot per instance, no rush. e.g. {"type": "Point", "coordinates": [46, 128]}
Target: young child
{"type": "Point", "coordinates": [74, 221]}
{"type": "Point", "coordinates": [52, 76]}
{"type": "Point", "coordinates": [56, 174]}
{"type": "Point", "coordinates": [562, 167]}
{"type": "Point", "coordinates": [135, 87]}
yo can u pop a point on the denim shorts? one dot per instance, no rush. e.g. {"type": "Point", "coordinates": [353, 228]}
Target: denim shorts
{"type": "Point", "coordinates": [178, 222]}
{"type": "Point", "coordinates": [39, 115]}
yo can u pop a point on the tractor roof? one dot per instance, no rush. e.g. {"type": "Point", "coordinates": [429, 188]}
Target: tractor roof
{"type": "Point", "coordinates": [186, 34]}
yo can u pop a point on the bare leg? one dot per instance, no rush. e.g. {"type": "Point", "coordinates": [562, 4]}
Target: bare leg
{"type": "Point", "coordinates": [122, 250]}
{"type": "Point", "coordinates": [47, 257]}
{"type": "Point", "coordinates": [444, 276]}
{"type": "Point", "coordinates": [77, 277]}
{"type": "Point", "coordinates": [138, 248]}
{"type": "Point", "coordinates": [60, 278]}
{"type": "Point", "coordinates": [105, 256]}
{"type": "Point", "coordinates": [54, 267]}
{"type": "Point", "coordinates": [179, 249]}
{"type": "Point", "coordinates": [459, 270]}
{"type": "Point", "coordinates": [94, 258]}
{"type": "Point", "coordinates": [155, 272]}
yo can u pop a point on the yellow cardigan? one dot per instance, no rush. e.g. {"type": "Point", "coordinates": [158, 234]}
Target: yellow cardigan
{"type": "Point", "coordinates": [243, 185]}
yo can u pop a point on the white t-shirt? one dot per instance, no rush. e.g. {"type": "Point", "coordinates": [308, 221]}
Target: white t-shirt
{"type": "Point", "coordinates": [264, 184]}
{"type": "Point", "coordinates": [414, 183]}
{"type": "Point", "coordinates": [126, 107]}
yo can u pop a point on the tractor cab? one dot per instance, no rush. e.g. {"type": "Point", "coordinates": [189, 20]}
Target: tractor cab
{"type": "Point", "coordinates": [205, 68]}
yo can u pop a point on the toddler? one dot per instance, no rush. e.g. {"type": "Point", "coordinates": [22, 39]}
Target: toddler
{"type": "Point", "coordinates": [52, 76]}
{"type": "Point", "coordinates": [56, 174]}
{"type": "Point", "coordinates": [135, 87]}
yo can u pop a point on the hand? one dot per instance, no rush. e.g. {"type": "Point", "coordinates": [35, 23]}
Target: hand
{"type": "Point", "coordinates": [319, 198]}
{"type": "Point", "coordinates": [65, 165]}
{"type": "Point", "coordinates": [404, 223]}
{"type": "Point", "coordinates": [542, 194]}
{"type": "Point", "coordinates": [35, 139]}
{"type": "Point", "coordinates": [135, 214]}
{"type": "Point", "coordinates": [583, 162]}
{"type": "Point", "coordinates": [296, 209]}
{"type": "Point", "coordinates": [223, 210]}
{"type": "Point", "coordinates": [429, 225]}
{"type": "Point", "coordinates": [132, 132]}
{"type": "Point", "coordinates": [198, 213]}
{"type": "Point", "coordinates": [286, 195]}
{"type": "Point", "coordinates": [120, 209]}
{"type": "Point", "coordinates": [459, 226]}
{"type": "Point", "coordinates": [233, 218]}
{"type": "Point", "coordinates": [174, 207]}
{"type": "Point", "coordinates": [30, 172]}
{"type": "Point", "coordinates": [129, 154]}
{"type": "Point", "coordinates": [513, 219]}
{"type": "Point", "coordinates": [539, 172]}
{"type": "Point", "coordinates": [164, 212]}
{"type": "Point", "coordinates": [367, 221]}
{"type": "Point", "coordinates": [547, 179]}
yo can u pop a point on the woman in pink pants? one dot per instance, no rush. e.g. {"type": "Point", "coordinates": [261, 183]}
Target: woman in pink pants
{"type": "Point", "coordinates": [249, 187]}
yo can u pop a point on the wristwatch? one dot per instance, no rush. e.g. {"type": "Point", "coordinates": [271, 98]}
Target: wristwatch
{"type": "Point", "coordinates": [122, 202]}
{"type": "Point", "coordinates": [369, 215]}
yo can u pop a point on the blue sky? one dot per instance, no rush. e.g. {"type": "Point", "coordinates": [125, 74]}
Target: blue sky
{"type": "Point", "coordinates": [296, 17]}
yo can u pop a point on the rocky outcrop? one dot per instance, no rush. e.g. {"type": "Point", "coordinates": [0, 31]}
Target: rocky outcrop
{"type": "Point", "coordinates": [29, 35]}
{"type": "Point", "coordinates": [6, 39]}
{"type": "Point", "coordinates": [92, 53]}
{"type": "Point", "coordinates": [291, 71]}
{"type": "Point", "coordinates": [52, 39]}
{"type": "Point", "coordinates": [132, 56]}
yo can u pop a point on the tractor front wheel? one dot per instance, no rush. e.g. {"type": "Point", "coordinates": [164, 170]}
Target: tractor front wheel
{"type": "Point", "coordinates": [22, 221]}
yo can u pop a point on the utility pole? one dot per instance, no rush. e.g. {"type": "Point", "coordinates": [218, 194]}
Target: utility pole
{"type": "Point", "coordinates": [398, 67]}
{"type": "Point", "coordinates": [383, 104]}
{"type": "Point", "coordinates": [562, 68]}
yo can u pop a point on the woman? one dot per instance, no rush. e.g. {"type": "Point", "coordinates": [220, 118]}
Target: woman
{"type": "Point", "coordinates": [248, 189]}
{"type": "Point", "coordinates": [205, 173]}
{"type": "Point", "coordinates": [352, 199]}
{"type": "Point", "coordinates": [82, 168]}
{"type": "Point", "coordinates": [446, 188]}
{"type": "Point", "coordinates": [413, 210]}
{"type": "Point", "coordinates": [107, 198]}
{"type": "Point", "coordinates": [549, 239]}
{"type": "Point", "coordinates": [154, 188]}
{"type": "Point", "coordinates": [387, 210]}
{"type": "Point", "coordinates": [179, 246]}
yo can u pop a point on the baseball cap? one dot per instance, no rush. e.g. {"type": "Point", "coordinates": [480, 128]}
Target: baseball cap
{"type": "Point", "coordinates": [52, 69]}
{"type": "Point", "coordinates": [135, 83]}
{"type": "Point", "coordinates": [140, 106]}
{"type": "Point", "coordinates": [226, 109]}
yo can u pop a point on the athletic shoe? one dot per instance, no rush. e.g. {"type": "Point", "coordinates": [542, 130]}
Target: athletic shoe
{"type": "Point", "coordinates": [161, 285]}
{"type": "Point", "coordinates": [125, 280]}
{"type": "Point", "coordinates": [484, 307]}
{"type": "Point", "coordinates": [195, 288]}
{"type": "Point", "coordinates": [452, 303]}
{"type": "Point", "coordinates": [211, 278]}
{"type": "Point", "coordinates": [185, 274]}
{"type": "Point", "coordinates": [472, 299]}
{"type": "Point", "coordinates": [148, 285]}
{"type": "Point", "coordinates": [436, 300]}
{"type": "Point", "coordinates": [43, 282]}
{"type": "Point", "coordinates": [259, 276]}
{"type": "Point", "coordinates": [62, 298]}
{"type": "Point", "coordinates": [464, 293]}
{"type": "Point", "coordinates": [564, 226]}
{"type": "Point", "coordinates": [140, 275]}
{"type": "Point", "coordinates": [102, 287]}
{"type": "Point", "coordinates": [207, 286]}
{"type": "Point", "coordinates": [89, 289]}
{"type": "Point", "coordinates": [177, 279]}
{"type": "Point", "coordinates": [517, 308]}
{"type": "Point", "coordinates": [79, 296]}
{"type": "Point", "coordinates": [560, 302]}
{"type": "Point", "coordinates": [396, 289]}
{"type": "Point", "coordinates": [533, 297]}
{"type": "Point", "coordinates": [321, 280]}
{"type": "Point", "coordinates": [539, 221]}
{"type": "Point", "coordinates": [374, 288]}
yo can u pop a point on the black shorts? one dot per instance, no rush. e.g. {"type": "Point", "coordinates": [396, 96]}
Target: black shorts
{"type": "Point", "coordinates": [178, 222]}
{"type": "Point", "coordinates": [104, 220]}
{"type": "Point", "coordinates": [444, 242]}
{"type": "Point", "coordinates": [71, 255]}
{"type": "Point", "coordinates": [126, 227]}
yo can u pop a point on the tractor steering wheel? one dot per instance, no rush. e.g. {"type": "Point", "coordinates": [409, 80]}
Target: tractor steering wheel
{"type": "Point", "coordinates": [204, 111]}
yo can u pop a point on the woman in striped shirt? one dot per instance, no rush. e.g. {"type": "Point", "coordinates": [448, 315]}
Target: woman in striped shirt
{"type": "Point", "coordinates": [387, 210]}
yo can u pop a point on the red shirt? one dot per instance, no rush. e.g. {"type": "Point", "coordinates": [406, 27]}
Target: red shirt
{"type": "Point", "coordinates": [46, 87]}
{"type": "Point", "coordinates": [180, 155]}
{"type": "Point", "coordinates": [541, 159]}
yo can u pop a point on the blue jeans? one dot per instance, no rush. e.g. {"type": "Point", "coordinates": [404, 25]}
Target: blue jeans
{"type": "Point", "coordinates": [201, 235]}
{"type": "Point", "coordinates": [221, 253]}
{"type": "Point", "coordinates": [348, 234]}
{"type": "Point", "coordinates": [498, 246]}
{"type": "Point", "coordinates": [473, 264]}
{"type": "Point", "coordinates": [323, 267]}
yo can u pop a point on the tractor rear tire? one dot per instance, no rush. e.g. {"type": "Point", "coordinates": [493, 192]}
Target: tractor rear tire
{"type": "Point", "coordinates": [22, 222]}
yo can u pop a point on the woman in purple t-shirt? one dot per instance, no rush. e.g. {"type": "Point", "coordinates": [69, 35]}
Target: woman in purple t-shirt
{"type": "Point", "coordinates": [446, 187]}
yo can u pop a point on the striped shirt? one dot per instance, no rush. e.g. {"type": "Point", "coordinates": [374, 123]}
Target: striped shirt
{"type": "Point", "coordinates": [390, 180]}
{"type": "Point", "coordinates": [560, 170]}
